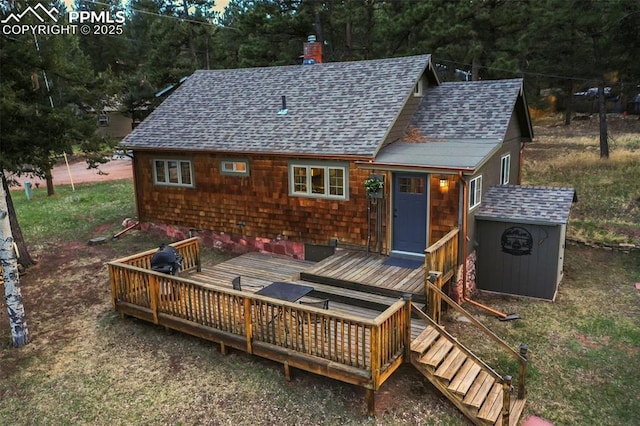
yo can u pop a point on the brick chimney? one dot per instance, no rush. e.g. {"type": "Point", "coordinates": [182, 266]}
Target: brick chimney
{"type": "Point", "coordinates": [312, 51]}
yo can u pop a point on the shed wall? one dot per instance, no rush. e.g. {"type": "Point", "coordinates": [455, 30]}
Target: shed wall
{"type": "Point", "coordinates": [506, 266]}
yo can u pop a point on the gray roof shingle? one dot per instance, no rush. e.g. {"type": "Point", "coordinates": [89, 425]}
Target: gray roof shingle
{"type": "Point", "coordinates": [462, 123]}
{"type": "Point", "coordinates": [527, 204]}
{"type": "Point", "coordinates": [341, 108]}
{"type": "Point", "coordinates": [469, 109]}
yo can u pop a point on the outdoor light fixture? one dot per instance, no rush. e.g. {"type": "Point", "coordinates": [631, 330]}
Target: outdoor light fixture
{"type": "Point", "coordinates": [444, 184]}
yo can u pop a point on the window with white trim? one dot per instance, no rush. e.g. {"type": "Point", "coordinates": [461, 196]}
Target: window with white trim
{"type": "Point", "coordinates": [318, 180]}
{"type": "Point", "coordinates": [234, 167]}
{"type": "Point", "coordinates": [505, 169]}
{"type": "Point", "coordinates": [173, 172]}
{"type": "Point", "coordinates": [475, 192]}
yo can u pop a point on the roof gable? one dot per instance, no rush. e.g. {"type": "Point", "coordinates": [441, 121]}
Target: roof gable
{"type": "Point", "coordinates": [468, 110]}
{"type": "Point", "coordinates": [340, 109]}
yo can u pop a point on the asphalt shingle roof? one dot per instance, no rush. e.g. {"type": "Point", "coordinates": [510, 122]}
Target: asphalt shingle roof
{"type": "Point", "coordinates": [462, 124]}
{"type": "Point", "coordinates": [527, 204]}
{"type": "Point", "coordinates": [341, 108]}
{"type": "Point", "coordinates": [468, 109]}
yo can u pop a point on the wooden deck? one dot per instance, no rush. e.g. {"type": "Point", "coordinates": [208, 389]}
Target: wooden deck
{"type": "Point", "coordinates": [257, 270]}
{"type": "Point", "coordinates": [368, 331]}
{"type": "Point", "coordinates": [367, 272]}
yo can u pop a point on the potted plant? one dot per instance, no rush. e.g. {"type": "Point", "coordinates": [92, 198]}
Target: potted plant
{"type": "Point", "coordinates": [374, 186]}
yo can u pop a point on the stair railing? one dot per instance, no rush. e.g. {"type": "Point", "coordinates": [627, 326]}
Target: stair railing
{"type": "Point", "coordinates": [520, 357]}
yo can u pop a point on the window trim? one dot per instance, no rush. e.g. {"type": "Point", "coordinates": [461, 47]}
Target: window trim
{"type": "Point", "coordinates": [326, 165]}
{"type": "Point", "coordinates": [166, 171]}
{"type": "Point", "coordinates": [475, 195]}
{"type": "Point", "coordinates": [234, 172]}
{"type": "Point", "coordinates": [504, 177]}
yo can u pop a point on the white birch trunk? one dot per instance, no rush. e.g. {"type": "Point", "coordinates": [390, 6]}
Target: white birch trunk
{"type": "Point", "coordinates": [9, 263]}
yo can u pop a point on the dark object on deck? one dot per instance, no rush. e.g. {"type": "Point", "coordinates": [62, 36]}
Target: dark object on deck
{"type": "Point", "coordinates": [236, 284]}
{"type": "Point", "coordinates": [167, 260]}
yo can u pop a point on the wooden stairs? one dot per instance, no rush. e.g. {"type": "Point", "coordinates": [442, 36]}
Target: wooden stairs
{"type": "Point", "coordinates": [464, 379]}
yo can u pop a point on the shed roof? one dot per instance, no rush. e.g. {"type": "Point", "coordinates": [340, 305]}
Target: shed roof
{"type": "Point", "coordinates": [527, 204]}
{"type": "Point", "coordinates": [339, 108]}
{"type": "Point", "coordinates": [461, 124]}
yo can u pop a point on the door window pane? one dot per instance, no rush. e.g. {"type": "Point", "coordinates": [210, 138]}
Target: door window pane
{"type": "Point", "coordinates": [411, 185]}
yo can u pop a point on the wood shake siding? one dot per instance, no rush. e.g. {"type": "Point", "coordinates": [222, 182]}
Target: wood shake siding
{"type": "Point", "coordinates": [257, 205]}
{"type": "Point", "coordinates": [443, 207]}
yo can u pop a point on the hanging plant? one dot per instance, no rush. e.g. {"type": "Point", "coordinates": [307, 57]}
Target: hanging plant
{"type": "Point", "coordinates": [374, 185]}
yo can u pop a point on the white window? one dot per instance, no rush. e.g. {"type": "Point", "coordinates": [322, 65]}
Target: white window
{"type": "Point", "coordinates": [234, 167]}
{"type": "Point", "coordinates": [417, 90]}
{"type": "Point", "coordinates": [318, 180]}
{"type": "Point", "coordinates": [475, 192]}
{"type": "Point", "coordinates": [505, 169]}
{"type": "Point", "coordinates": [173, 172]}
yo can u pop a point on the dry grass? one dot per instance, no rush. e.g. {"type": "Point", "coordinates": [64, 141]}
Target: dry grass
{"type": "Point", "coordinates": [86, 365]}
{"type": "Point", "coordinates": [608, 208]}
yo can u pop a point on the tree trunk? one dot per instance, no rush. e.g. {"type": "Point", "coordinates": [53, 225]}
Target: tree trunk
{"type": "Point", "coordinates": [475, 68]}
{"type": "Point", "coordinates": [11, 277]}
{"type": "Point", "coordinates": [568, 110]}
{"type": "Point", "coordinates": [602, 114]}
{"type": "Point", "coordinates": [24, 258]}
{"type": "Point", "coordinates": [49, 178]}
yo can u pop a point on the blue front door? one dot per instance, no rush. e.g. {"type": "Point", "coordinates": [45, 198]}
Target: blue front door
{"type": "Point", "coordinates": [410, 213]}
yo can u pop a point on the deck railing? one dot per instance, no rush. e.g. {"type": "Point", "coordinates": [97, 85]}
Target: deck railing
{"type": "Point", "coordinates": [443, 255]}
{"type": "Point", "coordinates": [346, 347]}
{"type": "Point", "coordinates": [189, 249]}
{"type": "Point", "coordinates": [519, 356]}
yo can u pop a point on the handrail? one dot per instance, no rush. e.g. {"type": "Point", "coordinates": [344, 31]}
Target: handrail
{"type": "Point", "coordinates": [504, 345]}
{"type": "Point", "coordinates": [189, 249]}
{"type": "Point", "coordinates": [452, 339]}
{"type": "Point", "coordinates": [443, 255]}
{"type": "Point", "coordinates": [375, 345]}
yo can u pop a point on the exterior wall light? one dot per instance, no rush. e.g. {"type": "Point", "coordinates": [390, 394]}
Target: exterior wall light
{"type": "Point", "coordinates": [444, 184]}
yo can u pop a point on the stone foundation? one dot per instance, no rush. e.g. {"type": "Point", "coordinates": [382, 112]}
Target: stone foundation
{"type": "Point", "coordinates": [229, 242]}
{"type": "Point", "coordinates": [455, 290]}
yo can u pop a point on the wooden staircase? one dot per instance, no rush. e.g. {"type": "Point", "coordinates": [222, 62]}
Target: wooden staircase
{"type": "Point", "coordinates": [464, 379]}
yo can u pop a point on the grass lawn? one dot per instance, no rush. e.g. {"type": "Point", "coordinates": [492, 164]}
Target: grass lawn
{"type": "Point", "coordinates": [86, 365]}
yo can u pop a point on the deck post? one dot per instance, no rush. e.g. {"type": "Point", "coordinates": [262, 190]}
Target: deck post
{"type": "Point", "coordinates": [371, 402]}
{"type": "Point", "coordinates": [154, 295]}
{"type": "Point", "coordinates": [407, 327]}
{"type": "Point", "coordinates": [433, 299]}
{"type": "Point", "coordinates": [198, 260]}
{"type": "Point", "coordinates": [523, 371]}
{"type": "Point", "coordinates": [114, 287]}
{"type": "Point", "coordinates": [248, 325]}
{"type": "Point", "coordinates": [287, 371]}
{"type": "Point", "coordinates": [506, 399]}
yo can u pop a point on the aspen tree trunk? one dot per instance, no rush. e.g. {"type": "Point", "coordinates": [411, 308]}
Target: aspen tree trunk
{"type": "Point", "coordinates": [11, 277]}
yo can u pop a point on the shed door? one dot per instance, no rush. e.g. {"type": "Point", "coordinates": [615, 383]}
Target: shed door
{"type": "Point", "coordinates": [410, 213]}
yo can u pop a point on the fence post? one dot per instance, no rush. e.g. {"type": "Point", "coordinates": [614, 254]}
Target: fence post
{"type": "Point", "coordinates": [407, 326]}
{"type": "Point", "coordinates": [523, 371]}
{"type": "Point", "coordinates": [506, 399]}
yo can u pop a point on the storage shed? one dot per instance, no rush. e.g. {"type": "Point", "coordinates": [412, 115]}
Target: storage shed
{"type": "Point", "coordinates": [521, 238]}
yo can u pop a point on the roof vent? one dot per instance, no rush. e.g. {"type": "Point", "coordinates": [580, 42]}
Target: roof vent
{"type": "Point", "coordinates": [283, 110]}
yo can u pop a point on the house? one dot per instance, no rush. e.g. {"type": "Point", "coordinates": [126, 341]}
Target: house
{"type": "Point", "coordinates": [275, 158]}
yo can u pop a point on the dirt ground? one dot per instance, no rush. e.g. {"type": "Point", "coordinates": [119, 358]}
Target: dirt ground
{"type": "Point", "coordinates": [78, 172]}
{"type": "Point", "coordinates": [83, 300]}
